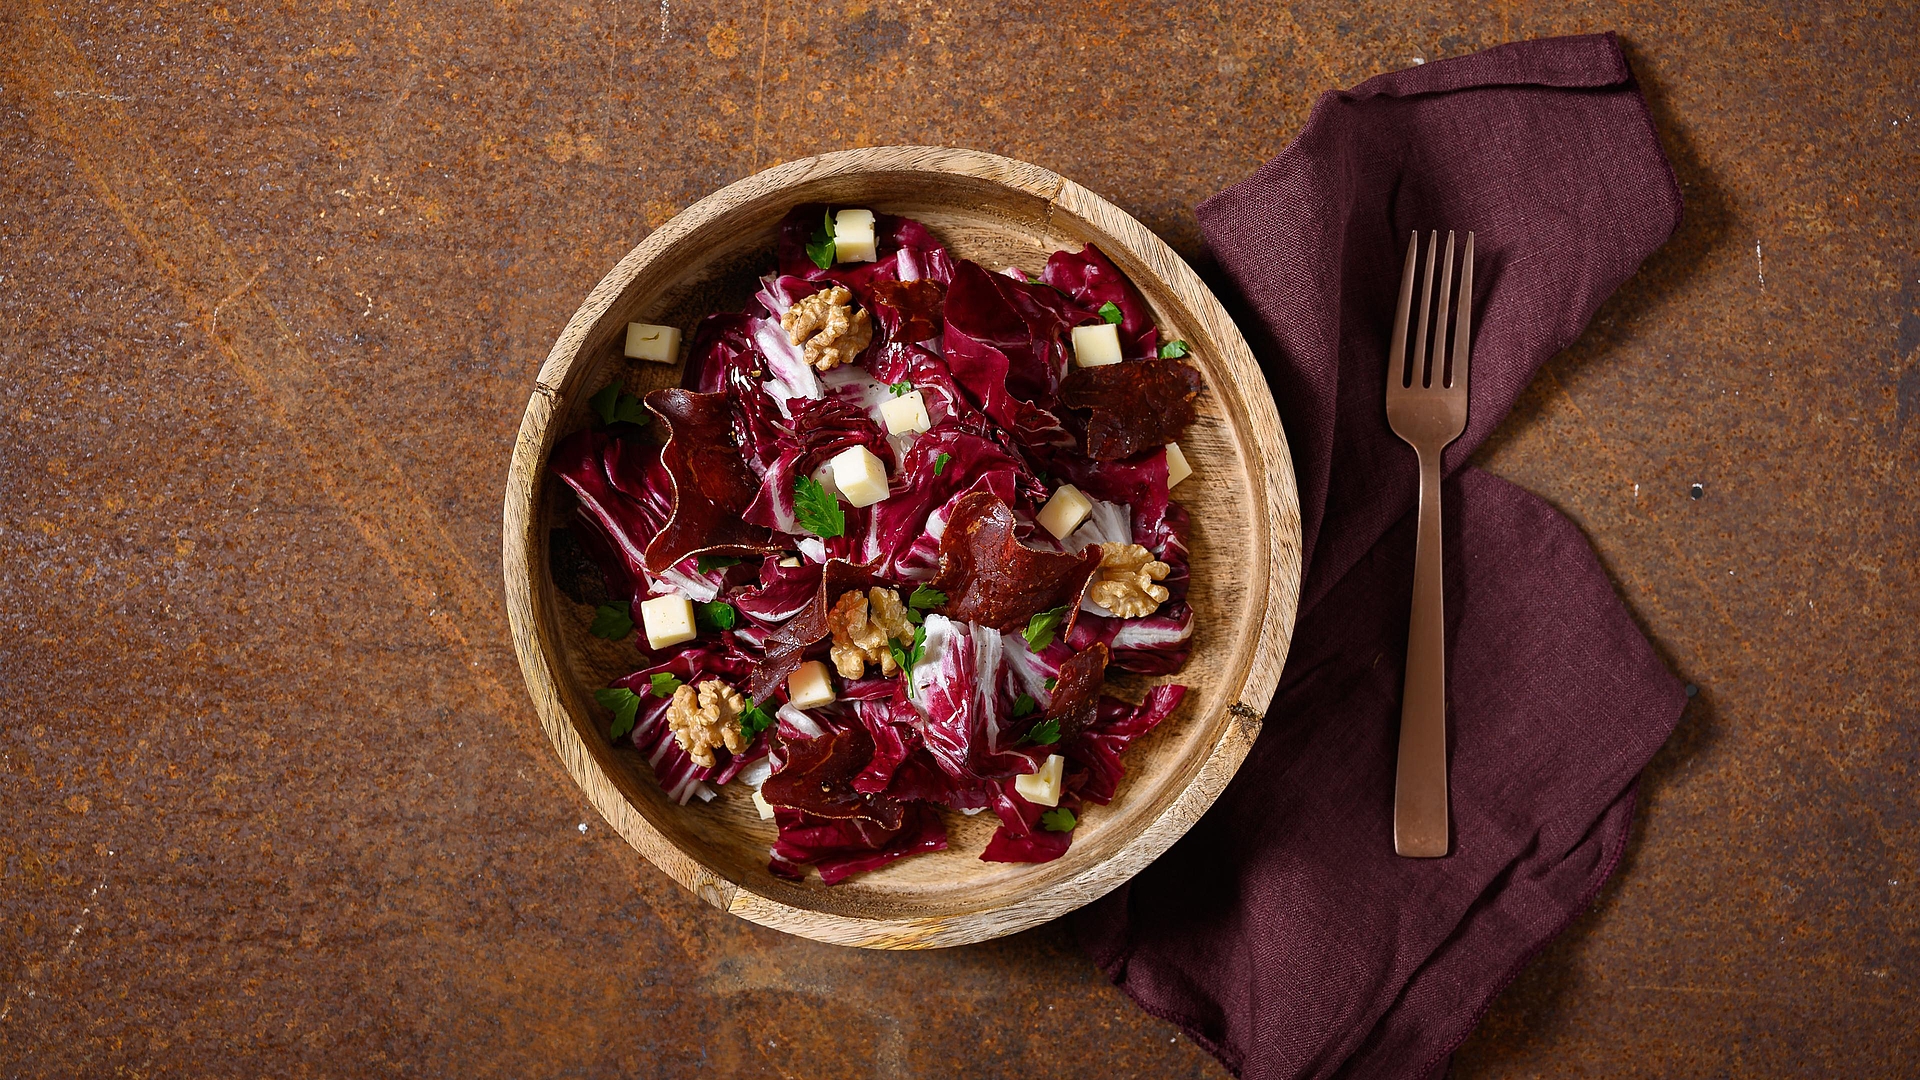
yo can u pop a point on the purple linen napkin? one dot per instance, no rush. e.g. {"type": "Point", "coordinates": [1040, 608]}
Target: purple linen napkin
{"type": "Point", "coordinates": [1283, 933]}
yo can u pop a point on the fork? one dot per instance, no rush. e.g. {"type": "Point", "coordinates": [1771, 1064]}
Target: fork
{"type": "Point", "coordinates": [1427, 407]}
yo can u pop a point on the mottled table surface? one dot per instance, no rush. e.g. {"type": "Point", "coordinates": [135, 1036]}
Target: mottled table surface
{"type": "Point", "coordinates": [274, 282]}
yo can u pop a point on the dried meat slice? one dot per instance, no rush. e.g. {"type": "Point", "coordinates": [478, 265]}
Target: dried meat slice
{"type": "Point", "coordinates": [992, 578]}
{"type": "Point", "coordinates": [1135, 406]}
{"type": "Point", "coordinates": [711, 485]}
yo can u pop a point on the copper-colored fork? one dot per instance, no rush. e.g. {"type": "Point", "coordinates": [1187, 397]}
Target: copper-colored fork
{"type": "Point", "coordinates": [1427, 407]}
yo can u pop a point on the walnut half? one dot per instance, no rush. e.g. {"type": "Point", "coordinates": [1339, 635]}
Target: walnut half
{"type": "Point", "coordinates": [704, 718]}
{"type": "Point", "coordinates": [1128, 584]}
{"type": "Point", "coordinates": [827, 323]}
{"type": "Point", "coordinates": [862, 624]}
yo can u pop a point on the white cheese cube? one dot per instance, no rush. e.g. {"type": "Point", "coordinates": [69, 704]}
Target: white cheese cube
{"type": "Point", "coordinates": [810, 687]}
{"type": "Point", "coordinates": [905, 414]}
{"type": "Point", "coordinates": [1177, 467]}
{"type": "Point", "coordinates": [853, 236]}
{"type": "Point", "coordinates": [761, 804]}
{"type": "Point", "coordinates": [668, 620]}
{"type": "Point", "coordinates": [790, 561]}
{"type": "Point", "coordinates": [1096, 346]}
{"type": "Point", "coordinates": [1065, 511]}
{"type": "Point", "coordinates": [660, 344]}
{"type": "Point", "coordinates": [861, 477]}
{"type": "Point", "coordinates": [1042, 788]}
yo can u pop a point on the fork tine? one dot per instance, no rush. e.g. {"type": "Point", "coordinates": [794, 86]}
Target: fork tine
{"type": "Point", "coordinates": [1438, 380]}
{"type": "Point", "coordinates": [1419, 375]}
{"type": "Point", "coordinates": [1463, 322]}
{"type": "Point", "coordinates": [1397, 352]}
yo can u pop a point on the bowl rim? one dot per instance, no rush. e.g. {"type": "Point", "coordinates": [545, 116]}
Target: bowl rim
{"type": "Point", "coordinates": [587, 761]}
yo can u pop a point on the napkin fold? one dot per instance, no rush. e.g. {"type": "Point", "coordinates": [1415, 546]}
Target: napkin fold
{"type": "Point", "coordinates": [1283, 933]}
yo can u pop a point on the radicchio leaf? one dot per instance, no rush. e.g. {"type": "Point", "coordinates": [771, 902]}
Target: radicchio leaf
{"type": "Point", "coordinates": [1092, 280]}
{"type": "Point", "coordinates": [1006, 344]}
{"type": "Point", "coordinates": [991, 577]}
{"type": "Point", "coordinates": [842, 848]}
{"type": "Point", "coordinates": [711, 486]}
{"type": "Point", "coordinates": [1135, 406]}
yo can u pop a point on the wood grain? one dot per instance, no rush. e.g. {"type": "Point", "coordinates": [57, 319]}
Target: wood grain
{"type": "Point", "coordinates": [1245, 554]}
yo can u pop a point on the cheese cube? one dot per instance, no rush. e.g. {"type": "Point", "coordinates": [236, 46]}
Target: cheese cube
{"type": "Point", "coordinates": [1065, 511]}
{"type": "Point", "coordinates": [668, 620]}
{"type": "Point", "coordinates": [761, 804]}
{"type": "Point", "coordinates": [905, 414]}
{"type": "Point", "coordinates": [1096, 346]}
{"type": "Point", "coordinates": [660, 344]}
{"type": "Point", "coordinates": [790, 561]}
{"type": "Point", "coordinates": [853, 236]}
{"type": "Point", "coordinates": [1042, 788]}
{"type": "Point", "coordinates": [861, 477]}
{"type": "Point", "coordinates": [1177, 467]}
{"type": "Point", "coordinates": [809, 687]}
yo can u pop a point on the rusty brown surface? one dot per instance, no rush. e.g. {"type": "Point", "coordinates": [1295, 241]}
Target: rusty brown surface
{"type": "Point", "coordinates": [273, 285]}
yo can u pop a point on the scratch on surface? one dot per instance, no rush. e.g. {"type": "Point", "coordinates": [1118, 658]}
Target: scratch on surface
{"type": "Point", "coordinates": [92, 94]}
{"type": "Point", "coordinates": [6, 1007]}
{"type": "Point", "coordinates": [663, 19]}
{"type": "Point", "coordinates": [1760, 265]}
{"type": "Point", "coordinates": [760, 83]}
{"type": "Point", "coordinates": [214, 318]}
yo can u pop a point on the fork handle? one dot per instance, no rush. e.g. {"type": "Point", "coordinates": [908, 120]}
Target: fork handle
{"type": "Point", "coordinates": [1420, 788]}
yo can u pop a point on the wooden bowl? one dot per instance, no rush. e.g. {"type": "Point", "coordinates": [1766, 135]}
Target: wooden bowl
{"type": "Point", "coordinates": [1245, 554]}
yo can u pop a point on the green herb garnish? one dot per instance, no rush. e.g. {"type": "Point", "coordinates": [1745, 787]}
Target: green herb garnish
{"type": "Point", "coordinates": [664, 684]}
{"type": "Point", "coordinates": [901, 389]}
{"type": "Point", "coordinates": [940, 463]}
{"type": "Point", "coordinates": [926, 598]}
{"type": "Point", "coordinates": [1051, 683]}
{"type": "Point", "coordinates": [1059, 819]}
{"type": "Point", "coordinates": [1041, 628]}
{"type": "Point", "coordinates": [718, 615]}
{"type": "Point", "coordinates": [612, 622]}
{"type": "Point", "coordinates": [1044, 733]}
{"type": "Point", "coordinates": [625, 705]}
{"type": "Point", "coordinates": [905, 656]}
{"type": "Point", "coordinates": [754, 721]}
{"type": "Point", "coordinates": [817, 510]}
{"type": "Point", "coordinates": [1110, 311]}
{"type": "Point", "coordinates": [1173, 350]}
{"type": "Point", "coordinates": [1024, 706]}
{"type": "Point", "coordinates": [820, 249]}
{"type": "Point", "coordinates": [707, 564]}
{"type": "Point", "coordinates": [615, 406]}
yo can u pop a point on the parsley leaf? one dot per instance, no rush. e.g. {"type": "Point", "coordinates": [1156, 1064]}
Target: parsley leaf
{"type": "Point", "coordinates": [1059, 819]}
{"type": "Point", "coordinates": [1044, 733]}
{"type": "Point", "coordinates": [754, 721]}
{"type": "Point", "coordinates": [718, 615]}
{"type": "Point", "coordinates": [1110, 311]}
{"type": "Point", "coordinates": [1173, 350]}
{"type": "Point", "coordinates": [1041, 628]}
{"type": "Point", "coordinates": [820, 248]}
{"type": "Point", "coordinates": [940, 463]}
{"type": "Point", "coordinates": [707, 564]}
{"type": "Point", "coordinates": [901, 388]}
{"type": "Point", "coordinates": [817, 510]}
{"type": "Point", "coordinates": [604, 401]}
{"type": "Point", "coordinates": [612, 621]}
{"type": "Point", "coordinates": [1051, 683]}
{"type": "Point", "coordinates": [924, 598]}
{"type": "Point", "coordinates": [613, 405]}
{"type": "Point", "coordinates": [625, 705]}
{"type": "Point", "coordinates": [629, 410]}
{"type": "Point", "coordinates": [908, 655]}
{"type": "Point", "coordinates": [1023, 706]}
{"type": "Point", "coordinates": [663, 684]}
